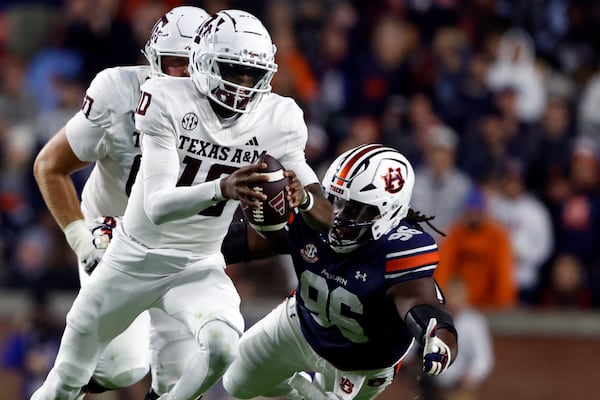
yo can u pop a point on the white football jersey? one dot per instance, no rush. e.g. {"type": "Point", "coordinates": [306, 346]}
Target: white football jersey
{"type": "Point", "coordinates": [207, 150]}
{"type": "Point", "coordinates": [104, 132]}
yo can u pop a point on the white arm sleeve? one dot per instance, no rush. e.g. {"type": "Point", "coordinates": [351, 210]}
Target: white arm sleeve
{"type": "Point", "coordinates": [163, 200]}
{"type": "Point", "coordinates": [86, 138]}
{"type": "Point", "coordinates": [295, 158]}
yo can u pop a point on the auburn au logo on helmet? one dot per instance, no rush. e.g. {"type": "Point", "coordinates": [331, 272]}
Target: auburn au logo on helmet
{"type": "Point", "coordinates": [394, 182]}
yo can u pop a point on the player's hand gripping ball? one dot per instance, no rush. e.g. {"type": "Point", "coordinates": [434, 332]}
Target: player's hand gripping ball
{"type": "Point", "coordinates": [273, 213]}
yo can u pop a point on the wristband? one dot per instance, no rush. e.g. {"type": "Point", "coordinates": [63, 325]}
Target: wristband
{"type": "Point", "coordinates": [308, 202]}
{"type": "Point", "coordinates": [218, 196]}
{"type": "Point", "coordinates": [79, 237]}
{"type": "Point", "coordinates": [417, 320]}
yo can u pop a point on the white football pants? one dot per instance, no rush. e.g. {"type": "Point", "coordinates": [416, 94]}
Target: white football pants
{"type": "Point", "coordinates": [199, 295]}
{"type": "Point", "coordinates": [273, 349]}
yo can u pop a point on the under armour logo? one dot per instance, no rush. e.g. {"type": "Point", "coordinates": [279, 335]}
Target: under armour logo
{"type": "Point", "coordinates": [394, 182]}
{"type": "Point", "coordinates": [360, 275]}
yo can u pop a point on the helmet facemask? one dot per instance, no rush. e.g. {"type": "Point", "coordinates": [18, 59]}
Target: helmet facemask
{"type": "Point", "coordinates": [351, 225]}
{"type": "Point", "coordinates": [232, 61]}
{"type": "Point", "coordinates": [237, 86]}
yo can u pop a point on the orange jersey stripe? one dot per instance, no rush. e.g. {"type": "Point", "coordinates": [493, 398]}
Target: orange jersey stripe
{"type": "Point", "coordinates": [412, 262]}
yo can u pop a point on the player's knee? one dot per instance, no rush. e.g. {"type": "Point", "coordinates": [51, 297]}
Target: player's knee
{"type": "Point", "coordinates": [111, 380]}
{"type": "Point", "coordinates": [221, 342]}
{"type": "Point", "coordinates": [231, 385]}
{"type": "Point", "coordinates": [122, 366]}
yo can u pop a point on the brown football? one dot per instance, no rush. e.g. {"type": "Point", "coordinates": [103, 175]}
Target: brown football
{"type": "Point", "coordinates": [273, 213]}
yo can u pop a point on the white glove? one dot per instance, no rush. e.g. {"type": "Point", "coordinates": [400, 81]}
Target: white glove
{"type": "Point", "coordinates": [436, 353]}
{"type": "Point", "coordinates": [89, 245]}
{"type": "Point", "coordinates": [81, 241]}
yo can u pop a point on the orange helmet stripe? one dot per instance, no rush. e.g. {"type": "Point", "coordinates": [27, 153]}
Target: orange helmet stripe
{"type": "Point", "coordinates": [349, 164]}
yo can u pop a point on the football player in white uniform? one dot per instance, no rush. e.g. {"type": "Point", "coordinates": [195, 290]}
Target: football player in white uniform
{"type": "Point", "coordinates": [200, 138]}
{"type": "Point", "coordinates": [365, 292]}
{"type": "Point", "coordinates": [103, 132]}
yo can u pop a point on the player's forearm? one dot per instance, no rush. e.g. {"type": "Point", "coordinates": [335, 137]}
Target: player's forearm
{"type": "Point", "coordinates": [58, 192]}
{"type": "Point", "coordinates": [319, 214]}
{"type": "Point", "coordinates": [165, 202]}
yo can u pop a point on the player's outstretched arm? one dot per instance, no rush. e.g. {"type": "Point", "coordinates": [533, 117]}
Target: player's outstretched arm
{"type": "Point", "coordinates": [52, 170]}
{"type": "Point", "coordinates": [320, 216]}
{"type": "Point", "coordinates": [418, 302]}
{"type": "Point", "coordinates": [166, 201]}
{"type": "Point", "coordinates": [310, 200]}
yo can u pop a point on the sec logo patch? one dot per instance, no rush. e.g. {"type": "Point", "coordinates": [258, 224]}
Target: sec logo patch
{"type": "Point", "coordinates": [189, 121]}
{"type": "Point", "coordinates": [309, 253]}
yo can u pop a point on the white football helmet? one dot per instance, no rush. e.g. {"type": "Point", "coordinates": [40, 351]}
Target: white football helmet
{"type": "Point", "coordinates": [172, 35]}
{"type": "Point", "coordinates": [370, 187]}
{"type": "Point", "coordinates": [230, 44]}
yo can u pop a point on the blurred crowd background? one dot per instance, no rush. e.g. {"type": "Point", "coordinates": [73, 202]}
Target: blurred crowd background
{"type": "Point", "coordinates": [495, 102]}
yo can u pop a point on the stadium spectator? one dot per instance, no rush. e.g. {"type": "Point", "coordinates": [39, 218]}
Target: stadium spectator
{"type": "Point", "coordinates": [567, 287]}
{"type": "Point", "coordinates": [529, 227]}
{"type": "Point", "coordinates": [588, 117]}
{"type": "Point", "coordinates": [478, 250]}
{"type": "Point", "coordinates": [556, 135]}
{"type": "Point", "coordinates": [576, 211]}
{"type": "Point", "coordinates": [514, 67]}
{"type": "Point", "coordinates": [441, 188]}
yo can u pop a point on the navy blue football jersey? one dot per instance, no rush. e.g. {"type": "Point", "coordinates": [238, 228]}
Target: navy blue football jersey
{"type": "Point", "coordinates": [341, 298]}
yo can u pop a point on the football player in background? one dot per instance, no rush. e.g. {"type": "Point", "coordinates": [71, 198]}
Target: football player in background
{"type": "Point", "coordinates": [200, 138]}
{"type": "Point", "coordinates": [365, 291]}
{"type": "Point", "coordinates": [103, 132]}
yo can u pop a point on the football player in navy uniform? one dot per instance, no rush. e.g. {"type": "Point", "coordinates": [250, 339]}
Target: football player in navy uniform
{"type": "Point", "coordinates": [365, 291]}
